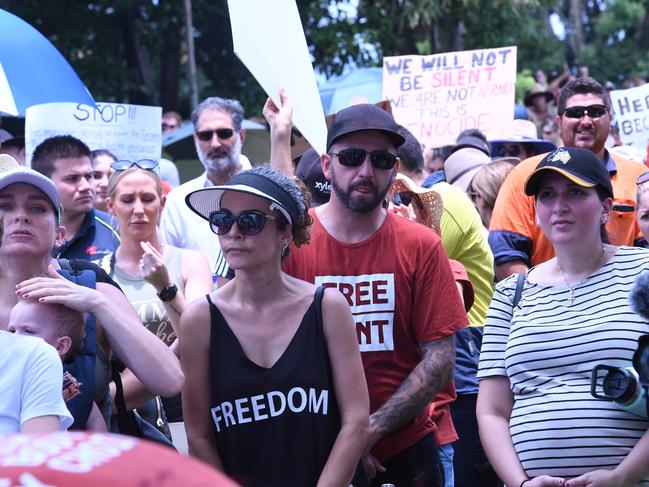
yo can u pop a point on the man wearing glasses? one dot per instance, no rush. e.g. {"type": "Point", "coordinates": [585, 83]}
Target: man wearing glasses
{"type": "Point", "coordinates": [89, 234]}
{"type": "Point", "coordinates": [584, 121]}
{"type": "Point", "coordinates": [218, 138]}
{"type": "Point", "coordinates": [398, 283]}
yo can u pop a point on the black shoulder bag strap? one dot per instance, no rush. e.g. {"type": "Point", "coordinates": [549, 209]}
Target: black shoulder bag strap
{"type": "Point", "coordinates": [520, 283]}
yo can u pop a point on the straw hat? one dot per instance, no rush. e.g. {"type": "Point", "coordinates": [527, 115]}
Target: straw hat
{"type": "Point", "coordinates": [427, 203]}
{"type": "Point", "coordinates": [537, 89]}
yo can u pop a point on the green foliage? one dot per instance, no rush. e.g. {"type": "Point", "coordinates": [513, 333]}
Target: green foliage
{"type": "Point", "coordinates": [135, 50]}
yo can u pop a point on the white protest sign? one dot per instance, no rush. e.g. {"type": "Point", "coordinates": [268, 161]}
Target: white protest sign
{"type": "Point", "coordinates": [438, 96]}
{"type": "Point", "coordinates": [278, 57]}
{"type": "Point", "coordinates": [129, 131]}
{"type": "Point", "coordinates": [631, 108]}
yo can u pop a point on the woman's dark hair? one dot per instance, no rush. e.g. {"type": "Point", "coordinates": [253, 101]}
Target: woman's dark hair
{"type": "Point", "coordinates": [300, 196]}
{"type": "Point", "coordinates": [101, 152]}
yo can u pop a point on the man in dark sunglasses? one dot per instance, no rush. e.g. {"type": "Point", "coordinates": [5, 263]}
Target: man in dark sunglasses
{"type": "Point", "coordinates": [584, 120]}
{"type": "Point", "coordinates": [218, 137]}
{"type": "Point", "coordinates": [397, 280]}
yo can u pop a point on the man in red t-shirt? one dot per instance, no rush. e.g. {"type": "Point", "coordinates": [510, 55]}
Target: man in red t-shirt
{"type": "Point", "coordinates": [398, 282]}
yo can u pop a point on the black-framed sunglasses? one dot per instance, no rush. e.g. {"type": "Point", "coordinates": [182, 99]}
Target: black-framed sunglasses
{"type": "Point", "coordinates": [403, 198]}
{"type": "Point", "coordinates": [643, 178]}
{"type": "Point", "coordinates": [249, 222]}
{"type": "Point", "coordinates": [123, 164]}
{"type": "Point", "coordinates": [593, 111]}
{"type": "Point", "coordinates": [509, 151]}
{"type": "Point", "coordinates": [206, 135]}
{"type": "Point", "coordinates": [380, 159]}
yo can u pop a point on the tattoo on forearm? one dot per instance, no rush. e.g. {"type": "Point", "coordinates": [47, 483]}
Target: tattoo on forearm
{"type": "Point", "coordinates": [420, 387]}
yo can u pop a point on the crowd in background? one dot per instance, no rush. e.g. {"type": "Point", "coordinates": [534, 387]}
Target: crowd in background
{"type": "Point", "coordinates": [475, 286]}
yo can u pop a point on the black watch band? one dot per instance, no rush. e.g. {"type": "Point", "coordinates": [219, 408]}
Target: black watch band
{"type": "Point", "coordinates": [168, 293]}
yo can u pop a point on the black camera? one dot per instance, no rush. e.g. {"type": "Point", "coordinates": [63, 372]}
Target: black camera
{"type": "Point", "coordinates": [628, 387]}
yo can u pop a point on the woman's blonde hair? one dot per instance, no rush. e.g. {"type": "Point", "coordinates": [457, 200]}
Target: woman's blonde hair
{"type": "Point", "coordinates": [488, 180]}
{"type": "Point", "coordinates": [117, 176]}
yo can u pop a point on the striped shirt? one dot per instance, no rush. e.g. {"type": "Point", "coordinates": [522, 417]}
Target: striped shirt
{"type": "Point", "coordinates": [548, 349]}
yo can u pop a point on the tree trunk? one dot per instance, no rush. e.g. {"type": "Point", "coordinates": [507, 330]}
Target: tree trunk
{"type": "Point", "coordinates": [137, 60]}
{"type": "Point", "coordinates": [576, 31]}
{"type": "Point", "coordinates": [170, 67]}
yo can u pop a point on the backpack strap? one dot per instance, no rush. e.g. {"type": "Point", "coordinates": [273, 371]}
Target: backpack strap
{"type": "Point", "coordinates": [520, 283]}
{"type": "Point", "coordinates": [82, 364]}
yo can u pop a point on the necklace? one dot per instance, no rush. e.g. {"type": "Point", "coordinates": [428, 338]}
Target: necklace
{"type": "Point", "coordinates": [571, 290]}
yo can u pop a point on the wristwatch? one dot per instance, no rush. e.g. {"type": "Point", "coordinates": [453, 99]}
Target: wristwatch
{"type": "Point", "coordinates": [168, 293]}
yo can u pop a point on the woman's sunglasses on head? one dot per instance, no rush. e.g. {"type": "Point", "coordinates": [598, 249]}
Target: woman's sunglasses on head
{"type": "Point", "coordinates": [643, 178]}
{"type": "Point", "coordinates": [593, 111]}
{"type": "Point", "coordinates": [380, 159]}
{"type": "Point", "coordinates": [206, 135]}
{"type": "Point", "coordinates": [123, 164]}
{"type": "Point", "coordinates": [250, 222]}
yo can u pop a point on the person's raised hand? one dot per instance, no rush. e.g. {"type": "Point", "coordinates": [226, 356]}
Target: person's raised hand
{"type": "Point", "coordinates": [280, 119]}
{"type": "Point", "coordinates": [152, 267]}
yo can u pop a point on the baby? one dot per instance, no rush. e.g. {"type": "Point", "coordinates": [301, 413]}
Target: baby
{"type": "Point", "coordinates": [64, 329]}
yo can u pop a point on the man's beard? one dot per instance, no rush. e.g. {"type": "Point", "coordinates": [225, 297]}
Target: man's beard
{"type": "Point", "coordinates": [220, 160]}
{"type": "Point", "coordinates": [359, 203]}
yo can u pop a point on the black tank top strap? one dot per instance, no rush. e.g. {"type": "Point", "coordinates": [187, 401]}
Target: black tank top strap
{"type": "Point", "coordinates": [319, 294]}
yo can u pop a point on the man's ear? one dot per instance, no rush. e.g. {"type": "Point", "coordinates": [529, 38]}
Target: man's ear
{"type": "Point", "coordinates": [109, 206]}
{"type": "Point", "coordinates": [63, 345]}
{"type": "Point", "coordinates": [60, 236]}
{"type": "Point", "coordinates": [325, 162]}
{"type": "Point", "coordinates": [242, 135]}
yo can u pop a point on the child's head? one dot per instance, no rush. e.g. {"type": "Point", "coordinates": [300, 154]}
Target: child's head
{"type": "Point", "coordinates": [58, 325]}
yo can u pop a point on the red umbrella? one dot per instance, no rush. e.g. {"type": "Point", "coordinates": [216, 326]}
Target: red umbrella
{"type": "Point", "coordinates": [100, 460]}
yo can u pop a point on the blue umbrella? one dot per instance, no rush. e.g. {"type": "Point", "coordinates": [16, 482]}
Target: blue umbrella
{"type": "Point", "coordinates": [32, 70]}
{"type": "Point", "coordinates": [362, 85]}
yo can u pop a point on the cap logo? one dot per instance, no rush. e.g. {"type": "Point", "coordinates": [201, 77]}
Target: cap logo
{"type": "Point", "coordinates": [561, 156]}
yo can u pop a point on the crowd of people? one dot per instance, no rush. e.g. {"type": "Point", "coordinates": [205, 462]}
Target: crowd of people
{"type": "Point", "coordinates": [380, 314]}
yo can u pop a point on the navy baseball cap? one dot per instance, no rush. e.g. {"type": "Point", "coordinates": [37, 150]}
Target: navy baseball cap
{"type": "Point", "coordinates": [363, 117]}
{"type": "Point", "coordinates": [578, 165]}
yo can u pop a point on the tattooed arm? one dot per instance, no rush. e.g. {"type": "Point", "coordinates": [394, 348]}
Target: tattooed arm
{"type": "Point", "coordinates": [432, 374]}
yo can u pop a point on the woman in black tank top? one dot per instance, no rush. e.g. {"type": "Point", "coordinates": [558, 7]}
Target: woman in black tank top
{"type": "Point", "coordinates": [275, 392]}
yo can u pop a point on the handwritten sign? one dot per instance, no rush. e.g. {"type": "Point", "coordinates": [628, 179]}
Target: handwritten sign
{"type": "Point", "coordinates": [438, 96]}
{"type": "Point", "coordinates": [128, 131]}
{"type": "Point", "coordinates": [281, 60]}
{"type": "Point", "coordinates": [631, 108]}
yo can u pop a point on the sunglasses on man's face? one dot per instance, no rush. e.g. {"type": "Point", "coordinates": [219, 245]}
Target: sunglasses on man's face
{"type": "Point", "coordinates": [593, 111]}
{"type": "Point", "coordinates": [249, 222]}
{"type": "Point", "coordinates": [123, 164]}
{"type": "Point", "coordinates": [380, 159]}
{"type": "Point", "coordinates": [206, 135]}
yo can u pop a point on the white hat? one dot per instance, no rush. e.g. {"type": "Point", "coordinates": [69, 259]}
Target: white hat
{"type": "Point", "coordinates": [25, 175]}
{"type": "Point", "coordinates": [461, 166]}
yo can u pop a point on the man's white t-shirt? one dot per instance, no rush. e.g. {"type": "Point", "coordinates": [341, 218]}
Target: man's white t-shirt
{"type": "Point", "coordinates": [31, 382]}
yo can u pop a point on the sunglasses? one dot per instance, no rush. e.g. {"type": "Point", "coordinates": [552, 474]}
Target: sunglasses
{"type": "Point", "coordinates": [593, 111]}
{"type": "Point", "coordinates": [123, 164]}
{"type": "Point", "coordinates": [643, 178]}
{"type": "Point", "coordinates": [380, 159]}
{"type": "Point", "coordinates": [206, 135]}
{"type": "Point", "coordinates": [511, 150]}
{"type": "Point", "coordinates": [403, 198]}
{"type": "Point", "coordinates": [249, 222]}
